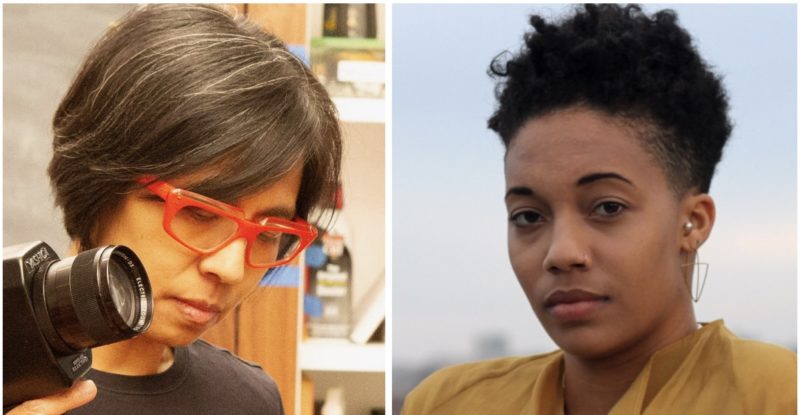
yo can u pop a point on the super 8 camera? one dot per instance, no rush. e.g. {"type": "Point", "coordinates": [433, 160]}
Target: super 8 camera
{"type": "Point", "coordinates": [55, 310]}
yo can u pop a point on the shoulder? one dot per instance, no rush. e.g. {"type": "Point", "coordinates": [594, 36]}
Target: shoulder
{"type": "Point", "coordinates": [202, 349]}
{"type": "Point", "coordinates": [218, 363]}
{"type": "Point", "coordinates": [764, 372]}
{"type": "Point", "coordinates": [763, 361]}
{"type": "Point", "coordinates": [477, 380]}
{"type": "Point", "coordinates": [202, 376]}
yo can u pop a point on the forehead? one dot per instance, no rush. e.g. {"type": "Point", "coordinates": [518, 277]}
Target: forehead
{"type": "Point", "coordinates": [567, 144]}
{"type": "Point", "coordinates": [279, 195]}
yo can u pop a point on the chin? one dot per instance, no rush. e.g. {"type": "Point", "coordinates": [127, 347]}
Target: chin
{"type": "Point", "coordinates": [585, 341]}
{"type": "Point", "coordinates": [173, 336]}
{"type": "Point", "coordinates": [587, 351]}
{"type": "Point", "coordinates": [187, 337]}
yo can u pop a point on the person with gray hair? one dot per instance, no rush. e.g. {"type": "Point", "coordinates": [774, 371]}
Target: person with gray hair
{"type": "Point", "coordinates": [199, 141]}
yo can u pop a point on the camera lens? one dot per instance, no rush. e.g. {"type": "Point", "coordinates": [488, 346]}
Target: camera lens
{"type": "Point", "coordinates": [98, 297]}
{"type": "Point", "coordinates": [123, 293]}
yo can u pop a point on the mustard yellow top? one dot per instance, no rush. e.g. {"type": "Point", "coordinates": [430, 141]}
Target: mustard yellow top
{"type": "Point", "coordinates": [710, 371]}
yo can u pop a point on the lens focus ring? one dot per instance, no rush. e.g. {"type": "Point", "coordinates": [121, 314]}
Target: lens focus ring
{"type": "Point", "coordinates": [86, 279]}
{"type": "Point", "coordinates": [81, 301]}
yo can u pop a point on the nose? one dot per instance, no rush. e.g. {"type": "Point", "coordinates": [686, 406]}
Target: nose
{"type": "Point", "coordinates": [568, 248]}
{"type": "Point", "coordinates": [228, 264]}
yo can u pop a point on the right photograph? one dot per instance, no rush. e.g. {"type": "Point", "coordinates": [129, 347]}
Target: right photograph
{"type": "Point", "coordinates": [594, 209]}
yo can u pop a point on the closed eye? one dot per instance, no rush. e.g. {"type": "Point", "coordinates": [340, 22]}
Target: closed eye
{"type": "Point", "coordinates": [153, 198]}
{"type": "Point", "coordinates": [199, 215]}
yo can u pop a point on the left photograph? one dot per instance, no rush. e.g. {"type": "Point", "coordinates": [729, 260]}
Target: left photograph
{"type": "Point", "coordinates": [194, 208]}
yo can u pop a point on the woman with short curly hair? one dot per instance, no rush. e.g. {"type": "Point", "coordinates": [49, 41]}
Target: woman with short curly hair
{"type": "Point", "coordinates": [613, 126]}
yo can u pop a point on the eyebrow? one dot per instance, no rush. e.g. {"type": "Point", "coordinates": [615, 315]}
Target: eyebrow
{"type": "Point", "coordinates": [519, 191]}
{"type": "Point", "coordinates": [591, 178]}
{"type": "Point", "coordinates": [587, 179]}
{"type": "Point", "coordinates": [278, 211]}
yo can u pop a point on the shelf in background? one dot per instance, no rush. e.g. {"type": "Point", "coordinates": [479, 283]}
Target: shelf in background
{"type": "Point", "coordinates": [341, 355]}
{"type": "Point", "coordinates": [367, 110]}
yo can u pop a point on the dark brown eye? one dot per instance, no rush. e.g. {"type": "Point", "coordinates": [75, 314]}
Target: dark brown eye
{"type": "Point", "coordinates": [525, 218]}
{"type": "Point", "coordinates": [609, 209]}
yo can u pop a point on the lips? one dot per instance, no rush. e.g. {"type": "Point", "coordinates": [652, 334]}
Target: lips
{"type": "Point", "coordinates": [574, 304]}
{"type": "Point", "coordinates": [197, 311]}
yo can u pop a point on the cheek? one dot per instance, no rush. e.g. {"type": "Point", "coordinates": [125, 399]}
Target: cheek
{"type": "Point", "coordinates": [644, 270]}
{"type": "Point", "coordinates": [248, 285]}
{"type": "Point", "coordinates": [165, 261]}
{"type": "Point", "coordinates": [526, 260]}
{"type": "Point", "coordinates": [169, 266]}
{"type": "Point", "coordinates": [163, 271]}
{"type": "Point", "coordinates": [138, 225]}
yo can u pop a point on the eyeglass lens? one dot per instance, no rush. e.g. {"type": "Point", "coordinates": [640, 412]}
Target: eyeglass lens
{"type": "Point", "coordinates": [204, 229]}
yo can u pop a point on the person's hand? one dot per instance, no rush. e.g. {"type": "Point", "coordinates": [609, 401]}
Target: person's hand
{"type": "Point", "coordinates": [79, 394]}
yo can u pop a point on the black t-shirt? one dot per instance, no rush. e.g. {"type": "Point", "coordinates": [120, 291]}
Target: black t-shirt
{"type": "Point", "coordinates": [203, 379]}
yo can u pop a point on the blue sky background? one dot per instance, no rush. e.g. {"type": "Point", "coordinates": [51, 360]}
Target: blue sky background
{"type": "Point", "coordinates": [452, 284]}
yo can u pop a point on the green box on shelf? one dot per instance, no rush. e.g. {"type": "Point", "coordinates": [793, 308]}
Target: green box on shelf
{"type": "Point", "coordinates": [350, 67]}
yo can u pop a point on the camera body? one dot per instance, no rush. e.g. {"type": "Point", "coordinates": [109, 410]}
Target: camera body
{"type": "Point", "coordinates": [55, 310]}
{"type": "Point", "coordinates": [41, 370]}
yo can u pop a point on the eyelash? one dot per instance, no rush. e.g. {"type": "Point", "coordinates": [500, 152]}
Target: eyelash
{"type": "Point", "coordinates": [621, 207]}
{"type": "Point", "coordinates": [520, 214]}
{"type": "Point", "coordinates": [517, 217]}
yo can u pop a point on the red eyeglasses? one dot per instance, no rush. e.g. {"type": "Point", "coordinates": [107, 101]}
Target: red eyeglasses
{"type": "Point", "coordinates": [205, 226]}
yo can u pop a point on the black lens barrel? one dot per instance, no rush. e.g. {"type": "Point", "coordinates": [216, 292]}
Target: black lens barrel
{"type": "Point", "coordinates": [80, 304]}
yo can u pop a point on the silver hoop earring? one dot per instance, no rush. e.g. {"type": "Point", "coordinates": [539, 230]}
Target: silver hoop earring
{"type": "Point", "coordinates": [699, 268]}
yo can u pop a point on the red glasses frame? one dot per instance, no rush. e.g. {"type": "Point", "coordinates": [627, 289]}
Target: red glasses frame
{"type": "Point", "coordinates": [175, 199]}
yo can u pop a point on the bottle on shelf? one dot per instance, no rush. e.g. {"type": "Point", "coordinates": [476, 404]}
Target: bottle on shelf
{"type": "Point", "coordinates": [329, 284]}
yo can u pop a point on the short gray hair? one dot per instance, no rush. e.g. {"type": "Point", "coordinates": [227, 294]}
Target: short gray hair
{"type": "Point", "coordinates": [172, 90]}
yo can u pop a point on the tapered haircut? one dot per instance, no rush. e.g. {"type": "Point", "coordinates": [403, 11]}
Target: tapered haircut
{"type": "Point", "coordinates": [642, 69]}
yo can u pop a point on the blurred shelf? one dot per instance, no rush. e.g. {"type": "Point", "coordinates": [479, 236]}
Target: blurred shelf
{"type": "Point", "coordinates": [341, 355]}
{"type": "Point", "coordinates": [366, 110]}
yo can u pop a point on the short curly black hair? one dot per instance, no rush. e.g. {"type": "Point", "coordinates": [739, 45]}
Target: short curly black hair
{"type": "Point", "coordinates": [622, 62]}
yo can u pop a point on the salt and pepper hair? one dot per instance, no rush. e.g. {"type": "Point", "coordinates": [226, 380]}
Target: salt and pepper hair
{"type": "Point", "coordinates": [174, 90]}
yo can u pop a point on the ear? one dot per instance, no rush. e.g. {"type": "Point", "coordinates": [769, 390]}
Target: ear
{"type": "Point", "coordinates": [699, 210]}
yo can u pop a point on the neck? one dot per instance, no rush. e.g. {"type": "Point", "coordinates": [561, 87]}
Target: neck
{"type": "Point", "coordinates": [136, 357]}
{"type": "Point", "coordinates": [594, 385]}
